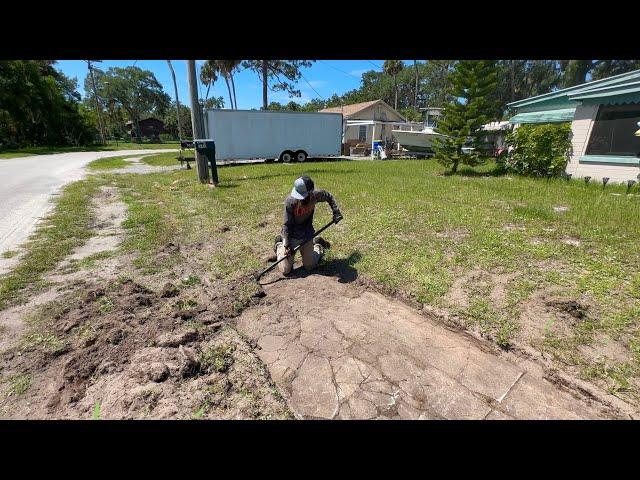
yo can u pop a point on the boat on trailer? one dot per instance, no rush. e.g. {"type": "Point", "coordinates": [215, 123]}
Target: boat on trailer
{"type": "Point", "coordinates": [420, 142]}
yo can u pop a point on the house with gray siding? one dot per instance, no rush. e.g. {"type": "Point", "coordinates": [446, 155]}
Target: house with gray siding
{"type": "Point", "coordinates": [604, 116]}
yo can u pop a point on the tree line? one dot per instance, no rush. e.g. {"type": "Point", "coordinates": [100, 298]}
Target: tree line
{"type": "Point", "coordinates": [39, 105]}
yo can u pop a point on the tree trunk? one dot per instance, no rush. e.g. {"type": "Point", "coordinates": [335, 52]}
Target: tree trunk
{"type": "Point", "coordinates": [513, 79]}
{"type": "Point", "coordinates": [226, 80]}
{"type": "Point", "coordinates": [95, 96]}
{"type": "Point", "coordinates": [136, 123]}
{"type": "Point", "coordinates": [415, 98]}
{"type": "Point", "coordinates": [584, 66]}
{"type": "Point", "coordinates": [233, 87]}
{"type": "Point", "coordinates": [395, 88]}
{"type": "Point", "coordinates": [175, 88]}
{"type": "Point", "coordinates": [264, 84]}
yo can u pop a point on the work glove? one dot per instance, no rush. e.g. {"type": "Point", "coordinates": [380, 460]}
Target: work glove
{"type": "Point", "coordinates": [337, 216]}
{"type": "Point", "coordinates": [288, 251]}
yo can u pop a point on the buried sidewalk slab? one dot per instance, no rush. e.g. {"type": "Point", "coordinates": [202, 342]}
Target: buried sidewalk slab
{"type": "Point", "coordinates": [339, 351]}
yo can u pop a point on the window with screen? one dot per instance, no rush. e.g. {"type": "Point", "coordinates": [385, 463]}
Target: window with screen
{"type": "Point", "coordinates": [613, 132]}
{"type": "Point", "coordinates": [362, 133]}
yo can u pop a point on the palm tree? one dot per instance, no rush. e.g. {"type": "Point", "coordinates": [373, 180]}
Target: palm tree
{"type": "Point", "coordinates": [231, 66]}
{"type": "Point", "coordinates": [226, 68]}
{"type": "Point", "coordinates": [214, 68]}
{"type": "Point", "coordinates": [393, 68]}
{"type": "Point", "coordinates": [175, 88]}
{"type": "Point", "coordinates": [208, 75]}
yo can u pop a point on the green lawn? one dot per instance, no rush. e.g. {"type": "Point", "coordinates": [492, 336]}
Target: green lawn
{"type": "Point", "coordinates": [109, 163]}
{"type": "Point", "coordinates": [416, 230]}
{"type": "Point", "coordinates": [111, 146]}
{"type": "Point", "coordinates": [161, 160]}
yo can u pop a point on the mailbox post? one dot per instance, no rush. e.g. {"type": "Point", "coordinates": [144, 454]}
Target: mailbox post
{"type": "Point", "coordinates": [207, 148]}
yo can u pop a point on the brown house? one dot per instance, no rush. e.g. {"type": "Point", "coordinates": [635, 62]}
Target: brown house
{"type": "Point", "coordinates": [366, 122]}
{"type": "Point", "coordinates": [149, 128]}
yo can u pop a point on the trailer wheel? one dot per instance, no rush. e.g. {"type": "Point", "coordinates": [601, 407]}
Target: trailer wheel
{"type": "Point", "coordinates": [301, 155]}
{"type": "Point", "coordinates": [286, 156]}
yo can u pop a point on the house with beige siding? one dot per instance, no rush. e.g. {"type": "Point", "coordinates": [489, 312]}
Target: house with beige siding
{"type": "Point", "coordinates": [366, 122]}
{"type": "Point", "coordinates": [604, 116]}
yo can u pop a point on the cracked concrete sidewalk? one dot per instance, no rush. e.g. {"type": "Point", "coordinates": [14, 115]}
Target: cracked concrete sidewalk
{"type": "Point", "coordinates": [341, 352]}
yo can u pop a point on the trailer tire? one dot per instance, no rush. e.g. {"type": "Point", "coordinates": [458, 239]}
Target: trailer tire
{"type": "Point", "coordinates": [286, 156]}
{"type": "Point", "coordinates": [301, 155]}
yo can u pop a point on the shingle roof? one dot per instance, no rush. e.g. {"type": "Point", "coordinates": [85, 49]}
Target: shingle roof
{"type": "Point", "coordinates": [348, 110]}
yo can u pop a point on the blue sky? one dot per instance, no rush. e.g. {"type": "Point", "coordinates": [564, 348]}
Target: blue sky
{"type": "Point", "coordinates": [323, 79]}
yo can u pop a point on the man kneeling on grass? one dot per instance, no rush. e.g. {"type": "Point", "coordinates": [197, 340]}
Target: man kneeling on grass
{"type": "Point", "coordinates": [298, 225]}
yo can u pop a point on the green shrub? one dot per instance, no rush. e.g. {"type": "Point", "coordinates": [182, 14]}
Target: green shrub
{"type": "Point", "coordinates": [538, 150]}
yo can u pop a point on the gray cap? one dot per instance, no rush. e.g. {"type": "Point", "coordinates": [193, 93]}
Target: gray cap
{"type": "Point", "coordinates": [301, 187]}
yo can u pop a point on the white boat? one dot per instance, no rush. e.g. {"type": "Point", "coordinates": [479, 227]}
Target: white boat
{"type": "Point", "coordinates": [417, 141]}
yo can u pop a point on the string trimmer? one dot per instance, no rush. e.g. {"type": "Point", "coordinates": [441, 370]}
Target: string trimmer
{"type": "Point", "coordinates": [293, 252]}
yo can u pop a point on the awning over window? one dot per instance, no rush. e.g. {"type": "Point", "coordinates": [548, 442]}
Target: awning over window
{"type": "Point", "coordinates": [547, 116]}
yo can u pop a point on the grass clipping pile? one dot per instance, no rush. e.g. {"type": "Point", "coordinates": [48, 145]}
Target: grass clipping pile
{"type": "Point", "coordinates": [122, 351]}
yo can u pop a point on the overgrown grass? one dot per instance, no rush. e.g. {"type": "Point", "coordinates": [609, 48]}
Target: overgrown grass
{"type": "Point", "coordinates": [63, 230]}
{"type": "Point", "coordinates": [111, 146]}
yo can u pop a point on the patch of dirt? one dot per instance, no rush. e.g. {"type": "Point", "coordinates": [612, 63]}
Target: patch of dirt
{"type": "Point", "coordinates": [548, 312]}
{"type": "Point", "coordinates": [11, 319]}
{"type": "Point", "coordinates": [110, 212]}
{"type": "Point", "coordinates": [140, 355]}
{"type": "Point", "coordinates": [8, 263]}
{"type": "Point", "coordinates": [496, 283]}
{"type": "Point", "coordinates": [605, 348]}
{"type": "Point", "coordinates": [160, 347]}
{"type": "Point", "coordinates": [509, 227]}
{"type": "Point", "coordinates": [574, 242]}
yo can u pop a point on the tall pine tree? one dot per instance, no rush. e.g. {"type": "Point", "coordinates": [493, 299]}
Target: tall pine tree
{"type": "Point", "coordinates": [473, 83]}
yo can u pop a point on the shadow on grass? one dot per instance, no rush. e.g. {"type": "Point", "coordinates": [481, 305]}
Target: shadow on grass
{"type": "Point", "coordinates": [343, 268]}
{"type": "Point", "coordinates": [471, 172]}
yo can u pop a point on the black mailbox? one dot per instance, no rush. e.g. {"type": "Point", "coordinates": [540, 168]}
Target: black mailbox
{"type": "Point", "coordinates": [207, 148]}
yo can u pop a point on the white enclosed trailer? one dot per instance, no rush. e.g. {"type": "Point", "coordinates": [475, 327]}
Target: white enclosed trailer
{"type": "Point", "coordinates": [287, 136]}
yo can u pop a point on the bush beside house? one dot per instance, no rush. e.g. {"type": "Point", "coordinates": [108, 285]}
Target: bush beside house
{"type": "Point", "coordinates": [538, 150]}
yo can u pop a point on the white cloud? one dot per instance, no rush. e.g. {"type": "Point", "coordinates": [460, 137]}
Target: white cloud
{"type": "Point", "coordinates": [357, 73]}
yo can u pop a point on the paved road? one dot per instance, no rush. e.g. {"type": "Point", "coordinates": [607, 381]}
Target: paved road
{"type": "Point", "coordinates": [27, 184]}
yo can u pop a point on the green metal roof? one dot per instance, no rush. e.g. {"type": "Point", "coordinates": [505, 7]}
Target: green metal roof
{"type": "Point", "coordinates": [617, 94]}
{"type": "Point", "coordinates": [547, 116]}
{"type": "Point", "coordinates": [572, 96]}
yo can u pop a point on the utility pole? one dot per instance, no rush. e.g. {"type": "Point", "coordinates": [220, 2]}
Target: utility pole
{"type": "Point", "coordinates": [95, 97]}
{"type": "Point", "coordinates": [196, 120]}
{"type": "Point", "coordinates": [265, 81]}
{"type": "Point", "coordinates": [175, 87]}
